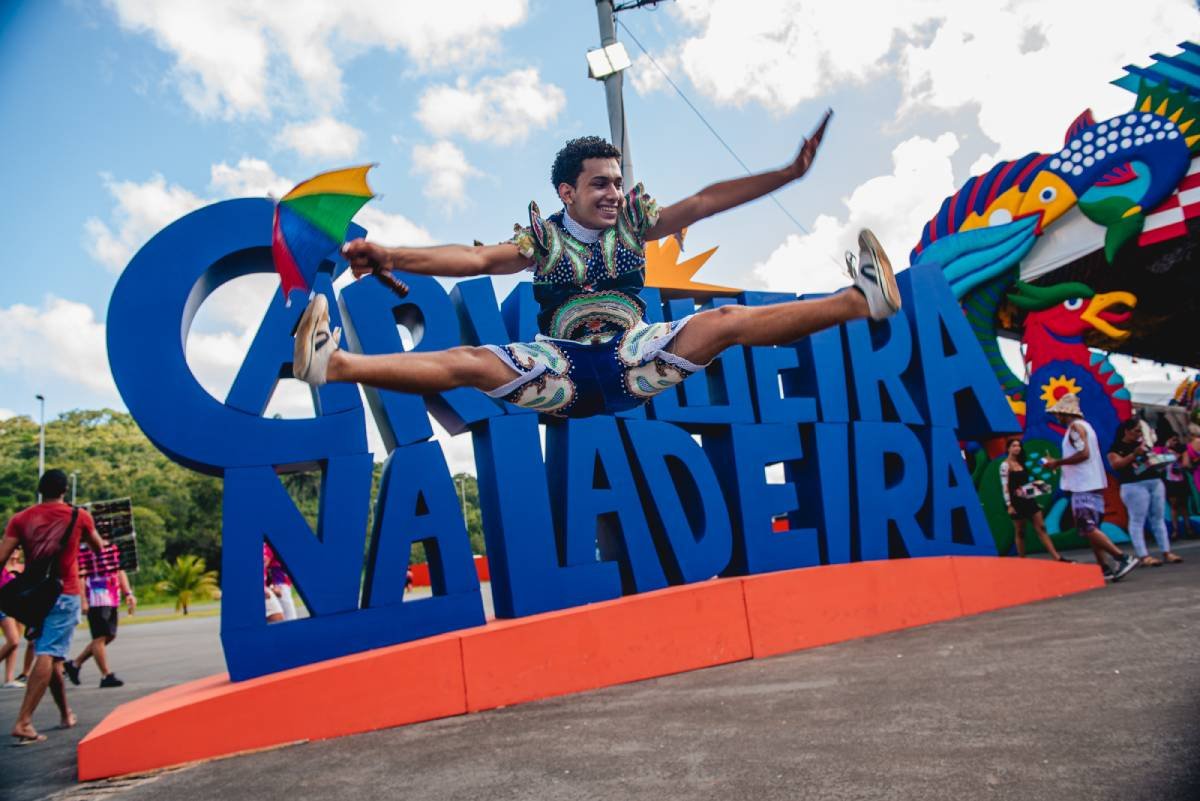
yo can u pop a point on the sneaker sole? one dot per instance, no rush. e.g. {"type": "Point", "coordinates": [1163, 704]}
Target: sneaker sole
{"type": "Point", "coordinates": [1120, 574]}
{"type": "Point", "coordinates": [887, 277]}
{"type": "Point", "coordinates": [306, 334]}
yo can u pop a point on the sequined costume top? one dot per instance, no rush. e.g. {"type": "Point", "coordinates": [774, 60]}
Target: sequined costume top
{"type": "Point", "coordinates": [588, 293]}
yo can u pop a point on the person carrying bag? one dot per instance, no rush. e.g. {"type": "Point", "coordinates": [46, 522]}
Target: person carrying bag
{"type": "Point", "coordinates": [32, 594]}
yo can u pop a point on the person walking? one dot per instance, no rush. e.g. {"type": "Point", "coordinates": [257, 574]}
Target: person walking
{"type": "Point", "coordinates": [1084, 477]}
{"type": "Point", "coordinates": [1017, 489]}
{"type": "Point", "coordinates": [1176, 481]}
{"type": "Point", "coordinates": [12, 636]}
{"type": "Point", "coordinates": [50, 529]}
{"type": "Point", "coordinates": [1142, 491]}
{"type": "Point", "coordinates": [279, 582]}
{"type": "Point", "coordinates": [105, 584]}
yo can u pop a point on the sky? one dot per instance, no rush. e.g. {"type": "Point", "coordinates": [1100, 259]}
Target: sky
{"type": "Point", "coordinates": [121, 116]}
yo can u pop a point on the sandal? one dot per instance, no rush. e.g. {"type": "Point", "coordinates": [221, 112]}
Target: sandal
{"type": "Point", "coordinates": [20, 740]}
{"type": "Point", "coordinates": [1065, 560]}
{"type": "Point", "coordinates": [1172, 558]}
{"type": "Point", "coordinates": [1150, 561]}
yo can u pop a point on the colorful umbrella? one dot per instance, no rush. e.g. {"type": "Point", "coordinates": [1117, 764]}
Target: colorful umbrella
{"type": "Point", "coordinates": [310, 223]}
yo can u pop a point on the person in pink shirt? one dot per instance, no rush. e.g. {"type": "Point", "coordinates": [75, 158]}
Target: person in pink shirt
{"type": "Point", "coordinates": [12, 637]}
{"type": "Point", "coordinates": [105, 584]}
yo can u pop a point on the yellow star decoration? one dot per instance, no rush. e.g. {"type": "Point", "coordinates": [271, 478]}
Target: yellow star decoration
{"type": "Point", "coordinates": [665, 271]}
{"type": "Point", "coordinates": [1057, 387]}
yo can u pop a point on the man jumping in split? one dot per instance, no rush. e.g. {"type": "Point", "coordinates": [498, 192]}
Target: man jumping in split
{"type": "Point", "coordinates": [595, 353]}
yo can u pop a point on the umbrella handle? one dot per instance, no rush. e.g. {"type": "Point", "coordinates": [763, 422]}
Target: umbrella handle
{"type": "Point", "coordinates": [391, 282]}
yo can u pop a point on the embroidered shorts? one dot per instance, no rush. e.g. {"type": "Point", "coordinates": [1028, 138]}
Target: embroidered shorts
{"type": "Point", "coordinates": [573, 379]}
{"type": "Point", "coordinates": [1088, 509]}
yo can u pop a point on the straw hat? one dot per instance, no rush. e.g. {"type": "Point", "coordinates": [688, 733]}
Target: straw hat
{"type": "Point", "coordinates": [1067, 404]}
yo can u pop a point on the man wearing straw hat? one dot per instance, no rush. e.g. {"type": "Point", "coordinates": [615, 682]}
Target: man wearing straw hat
{"type": "Point", "coordinates": [1083, 476]}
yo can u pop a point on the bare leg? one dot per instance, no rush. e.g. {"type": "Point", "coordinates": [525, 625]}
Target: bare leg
{"type": "Point", "coordinates": [8, 652]}
{"type": "Point", "coordinates": [712, 331]}
{"type": "Point", "coordinates": [1102, 544]}
{"type": "Point", "coordinates": [58, 691]}
{"type": "Point", "coordinates": [423, 373]}
{"type": "Point", "coordinates": [39, 680]}
{"type": "Point", "coordinates": [100, 651]}
{"type": "Point", "coordinates": [1039, 526]}
{"type": "Point", "coordinates": [1019, 537]}
{"type": "Point", "coordinates": [30, 653]}
{"type": "Point", "coordinates": [84, 655]}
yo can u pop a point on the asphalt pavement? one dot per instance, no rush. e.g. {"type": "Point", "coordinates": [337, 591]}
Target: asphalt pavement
{"type": "Point", "coordinates": [1094, 696]}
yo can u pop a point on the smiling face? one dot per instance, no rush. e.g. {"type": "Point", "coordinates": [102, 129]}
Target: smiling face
{"type": "Point", "coordinates": [1014, 449]}
{"type": "Point", "coordinates": [595, 198]}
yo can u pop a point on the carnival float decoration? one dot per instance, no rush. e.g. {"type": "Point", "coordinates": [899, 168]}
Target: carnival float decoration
{"type": "Point", "coordinates": [1117, 173]}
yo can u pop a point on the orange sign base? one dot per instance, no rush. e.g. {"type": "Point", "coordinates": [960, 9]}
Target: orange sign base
{"type": "Point", "coordinates": [513, 661]}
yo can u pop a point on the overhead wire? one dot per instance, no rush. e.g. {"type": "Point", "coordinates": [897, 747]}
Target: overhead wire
{"type": "Point", "coordinates": [707, 124]}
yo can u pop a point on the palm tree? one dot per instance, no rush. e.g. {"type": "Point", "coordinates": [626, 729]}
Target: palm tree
{"type": "Point", "coordinates": [188, 579]}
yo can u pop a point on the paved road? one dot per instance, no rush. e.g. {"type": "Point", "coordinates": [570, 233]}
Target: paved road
{"type": "Point", "coordinates": [1095, 696]}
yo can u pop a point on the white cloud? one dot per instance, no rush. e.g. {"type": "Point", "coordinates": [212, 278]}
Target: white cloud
{"type": "Point", "coordinates": [240, 57]}
{"type": "Point", "coordinates": [248, 178]}
{"type": "Point", "coordinates": [501, 110]}
{"type": "Point", "coordinates": [323, 137]}
{"type": "Point", "coordinates": [894, 206]}
{"type": "Point", "coordinates": [1027, 66]}
{"type": "Point", "coordinates": [1031, 66]}
{"type": "Point", "coordinates": [62, 339]}
{"type": "Point", "coordinates": [7, 413]}
{"type": "Point", "coordinates": [446, 170]}
{"type": "Point", "coordinates": [142, 209]}
{"type": "Point", "coordinates": [780, 53]}
{"type": "Point", "coordinates": [647, 78]}
{"type": "Point", "coordinates": [392, 229]}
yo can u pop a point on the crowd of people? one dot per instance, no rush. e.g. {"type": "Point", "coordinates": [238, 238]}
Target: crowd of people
{"type": "Point", "coordinates": [1152, 476]}
{"type": "Point", "coordinates": [51, 531]}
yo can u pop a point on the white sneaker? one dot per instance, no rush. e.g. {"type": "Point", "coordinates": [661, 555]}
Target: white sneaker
{"type": "Point", "coordinates": [872, 274]}
{"type": "Point", "coordinates": [315, 343]}
{"type": "Point", "coordinates": [13, 685]}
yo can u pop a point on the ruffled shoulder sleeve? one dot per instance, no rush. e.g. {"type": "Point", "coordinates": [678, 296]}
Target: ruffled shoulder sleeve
{"type": "Point", "coordinates": [540, 242]}
{"type": "Point", "coordinates": [641, 209]}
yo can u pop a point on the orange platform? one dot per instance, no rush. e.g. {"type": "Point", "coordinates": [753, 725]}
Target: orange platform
{"type": "Point", "coordinates": [512, 661]}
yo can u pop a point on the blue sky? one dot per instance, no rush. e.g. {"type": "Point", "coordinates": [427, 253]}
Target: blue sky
{"type": "Point", "coordinates": [121, 116]}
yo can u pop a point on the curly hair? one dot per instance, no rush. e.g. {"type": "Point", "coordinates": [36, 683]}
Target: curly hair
{"type": "Point", "coordinates": [568, 163]}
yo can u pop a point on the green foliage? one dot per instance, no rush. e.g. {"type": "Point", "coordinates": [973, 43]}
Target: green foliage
{"type": "Point", "coordinates": [177, 512]}
{"type": "Point", "coordinates": [188, 580]}
{"type": "Point", "coordinates": [468, 488]}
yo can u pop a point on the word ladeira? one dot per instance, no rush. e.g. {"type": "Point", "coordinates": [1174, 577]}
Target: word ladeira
{"type": "Point", "coordinates": [865, 420]}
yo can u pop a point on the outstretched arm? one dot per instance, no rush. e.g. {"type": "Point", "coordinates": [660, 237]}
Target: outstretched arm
{"type": "Point", "coordinates": [725, 195]}
{"type": "Point", "coordinates": [448, 261]}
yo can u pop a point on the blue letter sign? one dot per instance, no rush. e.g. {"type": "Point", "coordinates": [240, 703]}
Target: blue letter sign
{"type": "Point", "coordinates": [849, 436]}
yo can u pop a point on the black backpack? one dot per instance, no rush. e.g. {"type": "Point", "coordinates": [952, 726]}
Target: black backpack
{"type": "Point", "coordinates": [32, 594]}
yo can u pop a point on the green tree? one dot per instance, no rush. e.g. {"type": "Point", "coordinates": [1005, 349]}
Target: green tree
{"type": "Point", "coordinates": [468, 496]}
{"type": "Point", "coordinates": [151, 535]}
{"type": "Point", "coordinates": [188, 580]}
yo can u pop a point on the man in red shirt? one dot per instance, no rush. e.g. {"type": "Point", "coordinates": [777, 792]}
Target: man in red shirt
{"type": "Point", "coordinates": [39, 531]}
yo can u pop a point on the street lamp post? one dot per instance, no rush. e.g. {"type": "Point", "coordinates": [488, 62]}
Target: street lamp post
{"type": "Point", "coordinates": [607, 64]}
{"type": "Point", "coordinates": [41, 443]}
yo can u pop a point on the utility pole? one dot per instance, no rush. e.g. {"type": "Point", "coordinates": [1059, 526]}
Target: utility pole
{"type": "Point", "coordinates": [613, 82]}
{"type": "Point", "coordinates": [74, 484]}
{"type": "Point", "coordinates": [41, 443]}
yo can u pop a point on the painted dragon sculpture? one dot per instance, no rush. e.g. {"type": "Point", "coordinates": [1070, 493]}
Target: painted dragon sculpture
{"type": "Point", "coordinates": [1115, 171]}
